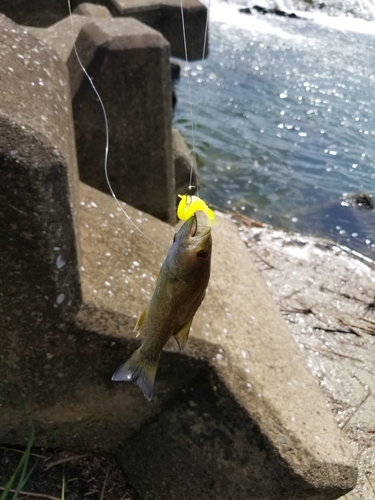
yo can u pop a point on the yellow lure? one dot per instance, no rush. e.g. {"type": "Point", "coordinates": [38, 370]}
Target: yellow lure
{"type": "Point", "coordinates": [190, 204]}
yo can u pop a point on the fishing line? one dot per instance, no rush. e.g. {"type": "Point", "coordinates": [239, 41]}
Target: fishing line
{"type": "Point", "coordinates": [106, 149]}
{"type": "Point", "coordinates": [194, 122]}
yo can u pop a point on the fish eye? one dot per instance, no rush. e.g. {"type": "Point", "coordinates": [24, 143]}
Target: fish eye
{"type": "Point", "coordinates": [202, 254]}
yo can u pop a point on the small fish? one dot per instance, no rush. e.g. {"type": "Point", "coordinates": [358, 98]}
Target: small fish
{"type": "Point", "coordinates": [179, 291]}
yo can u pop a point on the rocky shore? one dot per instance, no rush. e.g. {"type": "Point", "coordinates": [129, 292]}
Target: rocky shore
{"type": "Point", "coordinates": [326, 295]}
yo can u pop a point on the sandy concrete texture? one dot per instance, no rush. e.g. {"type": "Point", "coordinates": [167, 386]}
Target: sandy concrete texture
{"type": "Point", "coordinates": [39, 178]}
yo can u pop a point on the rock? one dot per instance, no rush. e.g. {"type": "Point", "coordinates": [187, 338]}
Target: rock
{"type": "Point", "coordinates": [276, 12]}
{"type": "Point", "coordinates": [324, 292]}
{"type": "Point", "coordinates": [362, 200]}
{"type": "Point", "coordinates": [175, 70]}
{"type": "Point", "coordinates": [63, 314]}
{"type": "Point", "coordinates": [347, 223]}
{"type": "Point", "coordinates": [165, 16]}
{"type": "Point", "coordinates": [162, 15]}
{"type": "Point", "coordinates": [175, 75]}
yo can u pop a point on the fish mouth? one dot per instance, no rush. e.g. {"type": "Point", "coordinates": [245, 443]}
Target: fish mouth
{"type": "Point", "coordinates": [199, 225]}
{"type": "Point", "coordinates": [194, 226]}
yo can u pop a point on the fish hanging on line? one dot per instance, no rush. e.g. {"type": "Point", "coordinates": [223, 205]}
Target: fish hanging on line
{"type": "Point", "coordinates": [179, 291]}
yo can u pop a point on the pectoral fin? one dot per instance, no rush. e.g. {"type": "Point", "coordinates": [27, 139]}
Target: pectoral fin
{"type": "Point", "coordinates": [182, 336]}
{"type": "Point", "coordinates": [141, 323]}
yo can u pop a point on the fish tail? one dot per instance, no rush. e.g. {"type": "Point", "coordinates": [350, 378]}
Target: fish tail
{"type": "Point", "coordinates": [139, 369]}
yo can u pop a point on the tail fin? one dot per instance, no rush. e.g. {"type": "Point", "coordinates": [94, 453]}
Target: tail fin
{"type": "Point", "coordinates": [140, 370]}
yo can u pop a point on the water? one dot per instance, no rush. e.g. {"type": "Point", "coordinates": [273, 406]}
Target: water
{"type": "Point", "coordinates": [286, 124]}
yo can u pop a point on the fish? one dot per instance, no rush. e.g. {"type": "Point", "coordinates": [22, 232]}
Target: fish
{"type": "Point", "coordinates": [179, 291]}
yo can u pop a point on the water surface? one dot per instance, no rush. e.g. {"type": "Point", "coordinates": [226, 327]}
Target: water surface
{"type": "Point", "coordinates": [285, 125]}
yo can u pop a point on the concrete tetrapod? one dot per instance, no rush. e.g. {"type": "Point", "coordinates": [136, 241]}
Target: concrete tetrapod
{"type": "Point", "coordinates": [165, 16]}
{"type": "Point", "coordinates": [59, 37]}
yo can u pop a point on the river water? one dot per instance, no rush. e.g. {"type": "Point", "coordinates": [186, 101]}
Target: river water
{"type": "Point", "coordinates": [285, 123]}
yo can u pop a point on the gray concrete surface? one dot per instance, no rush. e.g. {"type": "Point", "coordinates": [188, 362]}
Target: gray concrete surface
{"type": "Point", "coordinates": [39, 180]}
{"type": "Point", "coordinates": [131, 70]}
{"type": "Point", "coordinates": [165, 16]}
{"type": "Point", "coordinates": [92, 10]}
{"type": "Point", "coordinates": [162, 15]}
{"type": "Point", "coordinates": [40, 13]}
{"type": "Point", "coordinates": [61, 37]}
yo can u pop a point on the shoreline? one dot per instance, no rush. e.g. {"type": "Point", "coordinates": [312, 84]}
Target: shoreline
{"type": "Point", "coordinates": [326, 295]}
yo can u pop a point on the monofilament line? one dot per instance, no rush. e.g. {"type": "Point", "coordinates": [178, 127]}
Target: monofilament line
{"type": "Point", "coordinates": [194, 122]}
{"type": "Point", "coordinates": [106, 149]}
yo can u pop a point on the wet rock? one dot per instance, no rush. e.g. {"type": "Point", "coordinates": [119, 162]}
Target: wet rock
{"type": "Point", "coordinates": [276, 12]}
{"type": "Point", "coordinates": [245, 10]}
{"type": "Point", "coordinates": [362, 200]}
{"type": "Point", "coordinates": [324, 292]}
{"type": "Point", "coordinates": [175, 70]}
{"type": "Point", "coordinates": [175, 75]}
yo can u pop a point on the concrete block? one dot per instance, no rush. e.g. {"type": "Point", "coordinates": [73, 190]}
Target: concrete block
{"type": "Point", "coordinates": [39, 13]}
{"type": "Point", "coordinates": [165, 16]}
{"type": "Point", "coordinates": [92, 10]}
{"type": "Point", "coordinates": [131, 70]}
{"type": "Point", "coordinates": [61, 38]}
{"type": "Point", "coordinates": [39, 176]}
{"type": "Point", "coordinates": [237, 415]}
